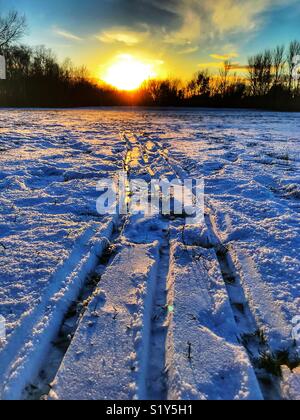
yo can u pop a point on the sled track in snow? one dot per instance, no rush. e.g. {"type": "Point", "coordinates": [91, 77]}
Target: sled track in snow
{"type": "Point", "coordinates": [40, 386]}
{"type": "Point", "coordinates": [156, 375]}
{"type": "Point", "coordinates": [266, 364]}
{"type": "Point", "coordinates": [25, 352]}
{"type": "Point", "coordinates": [149, 152]}
{"type": "Point", "coordinates": [140, 155]}
{"type": "Point", "coordinates": [250, 335]}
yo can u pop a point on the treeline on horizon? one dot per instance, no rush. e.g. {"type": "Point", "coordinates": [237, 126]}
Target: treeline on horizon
{"type": "Point", "coordinates": [36, 79]}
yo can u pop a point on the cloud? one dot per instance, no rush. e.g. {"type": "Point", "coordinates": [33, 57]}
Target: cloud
{"type": "Point", "coordinates": [121, 35]}
{"type": "Point", "coordinates": [181, 24]}
{"type": "Point", "coordinates": [211, 65]}
{"type": "Point", "coordinates": [214, 20]}
{"type": "Point", "coordinates": [240, 67]}
{"type": "Point", "coordinates": [188, 50]}
{"type": "Point", "coordinates": [218, 65]}
{"type": "Point", "coordinates": [190, 29]}
{"type": "Point", "coordinates": [224, 57]}
{"type": "Point", "coordinates": [241, 15]}
{"type": "Point", "coordinates": [67, 35]}
{"type": "Point", "coordinates": [232, 15]}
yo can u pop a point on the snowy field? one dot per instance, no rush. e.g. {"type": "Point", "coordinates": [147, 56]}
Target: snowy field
{"type": "Point", "coordinates": [112, 307]}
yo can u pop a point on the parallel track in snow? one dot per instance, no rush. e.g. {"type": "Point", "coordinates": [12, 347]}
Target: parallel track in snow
{"type": "Point", "coordinates": [250, 334]}
{"type": "Point", "coordinates": [156, 375]}
{"type": "Point", "coordinates": [40, 385]}
{"type": "Point", "coordinates": [143, 156]}
{"type": "Point", "coordinates": [144, 151]}
{"type": "Point", "coordinates": [138, 159]}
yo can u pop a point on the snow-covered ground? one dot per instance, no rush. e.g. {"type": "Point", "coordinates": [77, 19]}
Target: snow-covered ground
{"type": "Point", "coordinates": [111, 307]}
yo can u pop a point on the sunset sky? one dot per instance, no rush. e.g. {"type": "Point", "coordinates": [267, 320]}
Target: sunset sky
{"type": "Point", "coordinates": [167, 37]}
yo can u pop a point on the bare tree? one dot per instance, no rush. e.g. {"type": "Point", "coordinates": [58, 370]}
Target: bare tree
{"type": "Point", "coordinates": [278, 63]}
{"type": "Point", "coordinates": [294, 51]}
{"type": "Point", "coordinates": [253, 74]}
{"type": "Point", "coordinates": [260, 72]}
{"type": "Point", "coordinates": [12, 28]}
{"type": "Point", "coordinates": [18, 60]}
{"type": "Point", "coordinates": [224, 73]}
{"type": "Point", "coordinates": [199, 85]}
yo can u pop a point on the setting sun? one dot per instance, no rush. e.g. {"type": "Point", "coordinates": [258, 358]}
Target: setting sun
{"type": "Point", "coordinates": [128, 73]}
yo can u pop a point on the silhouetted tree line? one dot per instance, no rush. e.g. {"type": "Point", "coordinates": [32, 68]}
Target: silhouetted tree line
{"type": "Point", "coordinates": [36, 79]}
{"type": "Point", "coordinates": [270, 83]}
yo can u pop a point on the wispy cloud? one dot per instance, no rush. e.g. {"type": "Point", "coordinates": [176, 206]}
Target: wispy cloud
{"type": "Point", "coordinates": [224, 57]}
{"type": "Point", "coordinates": [211, 65]}
{"type": "Point", "coordinates": [121, 35]}
{"type": "Point", "coordinates": [240, 67]}
{"type": "Point", "coordinates": [212, 20]}
{"type": "Point", "coordinates": [190, 29]}
{"type": "Point", "coordinates": [218, 65]}
{"type": "Point", "coordinates": [241, 15]}
{"type": "Point", "coordinates": [66, 34]}
{"type": "Point", "coordinates": [189, 50]}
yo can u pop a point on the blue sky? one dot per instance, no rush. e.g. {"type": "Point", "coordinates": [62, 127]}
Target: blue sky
{"type": "Point", "coordinates": [176, 36]}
